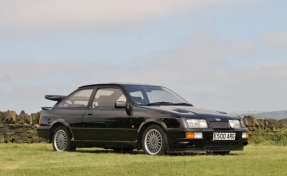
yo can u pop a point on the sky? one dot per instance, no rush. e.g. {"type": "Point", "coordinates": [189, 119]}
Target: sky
{"type": "Point", "coordinates": [227, 55]}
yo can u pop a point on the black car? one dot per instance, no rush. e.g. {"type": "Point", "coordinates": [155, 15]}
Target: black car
{"type": "Point", "coordinates": [124, 117]}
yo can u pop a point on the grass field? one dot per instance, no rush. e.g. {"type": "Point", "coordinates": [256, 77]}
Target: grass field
{"type": "Point", "coordinates": [39, 159]}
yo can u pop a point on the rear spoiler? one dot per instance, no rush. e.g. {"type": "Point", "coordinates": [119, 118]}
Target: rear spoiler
{"type": "Point", "coordinates": [55, 97]}
{"type": "Point", "coordinates": [46, 108]}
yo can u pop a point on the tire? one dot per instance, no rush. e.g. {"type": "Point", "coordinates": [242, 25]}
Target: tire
{"type": "Point", "coordinates": [61, 140]}
{"type": "Point", "coordinates": [154, 141]}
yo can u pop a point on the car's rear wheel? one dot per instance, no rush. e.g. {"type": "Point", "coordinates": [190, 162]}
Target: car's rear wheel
{"type": "Point", "coordinates": [153, 140]}
{"type": "Point", "coordinates": [62, 140]}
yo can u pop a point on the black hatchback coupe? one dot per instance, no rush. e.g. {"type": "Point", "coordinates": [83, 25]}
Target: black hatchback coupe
{"type": "Point", "coordinates": [124, 117]}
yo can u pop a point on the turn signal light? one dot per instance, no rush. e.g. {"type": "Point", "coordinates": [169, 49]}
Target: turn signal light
{"type": "Point", "coordinates": [189, 135]}
{"type": "Point", "coordinates": [245, 135]}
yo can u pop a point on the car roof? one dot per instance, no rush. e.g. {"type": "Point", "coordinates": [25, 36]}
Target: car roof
{"type": "Point", "coordinates": [117, 83]}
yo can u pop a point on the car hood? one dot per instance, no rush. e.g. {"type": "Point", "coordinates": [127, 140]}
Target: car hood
{"type": "Point", "coordinates": [192, 112]}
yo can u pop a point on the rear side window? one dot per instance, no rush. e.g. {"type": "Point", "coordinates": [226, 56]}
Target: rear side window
{"type": "Point", "coordinates": [107, 97]}
{"type": "Point", "coordinates": [78, 99]}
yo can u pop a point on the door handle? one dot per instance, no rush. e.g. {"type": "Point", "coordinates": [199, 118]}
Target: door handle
{"type": "Point", "coordinates": [90, 113]}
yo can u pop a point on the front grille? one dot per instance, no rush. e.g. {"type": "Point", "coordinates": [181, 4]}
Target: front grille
{"type": "Point", "coordinates": [219, 124]}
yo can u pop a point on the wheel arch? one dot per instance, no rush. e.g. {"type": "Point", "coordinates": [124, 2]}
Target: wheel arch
{"type": "Point", "coordinates": [58, 123]}
{"type": "Point", "coordinates": [143, 127]}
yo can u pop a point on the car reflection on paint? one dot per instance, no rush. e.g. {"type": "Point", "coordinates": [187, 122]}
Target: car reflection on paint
{"type": "Point", "coordinates": [124, 117]}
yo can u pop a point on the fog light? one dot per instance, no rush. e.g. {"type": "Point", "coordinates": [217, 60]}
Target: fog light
{"type": "Point", "coordinates": [245, 135]}
{"type": "Point", "coordinates": [189, 135]}
{"type": "Point", "coordinates": [197, 135]}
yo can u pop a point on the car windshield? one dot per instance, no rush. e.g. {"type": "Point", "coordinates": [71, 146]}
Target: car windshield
{"type": "Point", "coordinates": [154, 95]}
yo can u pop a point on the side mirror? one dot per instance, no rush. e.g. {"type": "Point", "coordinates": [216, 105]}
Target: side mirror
{"type": "Point", "coordinates": [121, 104]}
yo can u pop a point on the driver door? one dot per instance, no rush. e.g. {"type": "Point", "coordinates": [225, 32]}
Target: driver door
{"type": "Point", "coordinates": [103, 121]}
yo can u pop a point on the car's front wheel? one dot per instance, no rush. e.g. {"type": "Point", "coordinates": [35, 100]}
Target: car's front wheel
{"type": "Point", "coordinates": [153, 140]}
{"type": "Point", "coordinates": [61, 140]}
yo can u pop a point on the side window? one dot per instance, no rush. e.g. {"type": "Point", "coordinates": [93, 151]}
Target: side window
{"type": "Point", "coordinates": [107, 97]}
{"type": "Point", "coordinates": [78, 99]}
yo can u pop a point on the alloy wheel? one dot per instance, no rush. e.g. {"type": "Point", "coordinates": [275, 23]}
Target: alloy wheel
{"type": "Point", "coordinates": [153, 141]}
{"type": "Point", "coordinates": [60, 140]}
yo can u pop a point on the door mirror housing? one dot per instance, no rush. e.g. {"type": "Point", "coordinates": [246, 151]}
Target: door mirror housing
{"type": "Point", "coordinates": [120, 104]}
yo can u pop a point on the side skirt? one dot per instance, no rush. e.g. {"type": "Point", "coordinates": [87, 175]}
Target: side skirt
{"type": "Point", "coordinates": [104, 144]}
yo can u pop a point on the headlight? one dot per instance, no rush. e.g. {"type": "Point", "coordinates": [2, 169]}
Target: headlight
{"type": "Point", "coordinates": [234, 123]}
{"type": "Point", "coordinates": [196, 123]}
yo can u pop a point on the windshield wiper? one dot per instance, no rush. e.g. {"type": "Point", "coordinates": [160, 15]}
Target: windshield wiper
{"type": "Point", "coordinates": [159, 103]}
{"type": "Point", "coordinates": [183, 104]}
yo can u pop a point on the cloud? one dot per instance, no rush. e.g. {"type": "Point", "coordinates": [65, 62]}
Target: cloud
{"type": "Point", "coordinates": [260, 87]}
{"type": "Point", "coordinates": [277, 38]}
{"type": "Point", "coordinates": [218, 48]}
{"type": "Point", "coordinates": [63, 14]}
{"type": "Point", "coordinates": [201, 73]}
{"type": "Point", "coordinates": [198, 57]}
{"type": "Point", "coordinates": [38, 69]}
{"type": "Point", "coordinates": [4, 77]}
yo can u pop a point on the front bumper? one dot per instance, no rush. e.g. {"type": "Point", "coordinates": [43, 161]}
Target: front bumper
{"type": "Point", "coordinates": [177, 143]}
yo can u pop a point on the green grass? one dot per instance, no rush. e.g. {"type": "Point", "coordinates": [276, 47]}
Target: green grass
{"type": "Point", "coordinates": [39, 159]}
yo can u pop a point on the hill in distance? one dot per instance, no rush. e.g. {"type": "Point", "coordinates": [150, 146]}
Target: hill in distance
{"type": "Point", "coordinates": [267, 115]}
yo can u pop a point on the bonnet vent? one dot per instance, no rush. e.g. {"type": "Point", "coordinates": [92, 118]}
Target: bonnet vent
{"type": "Point", "coordinates": [222, 112]}
{"type": "Point", "coordinates": [181, 110]}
